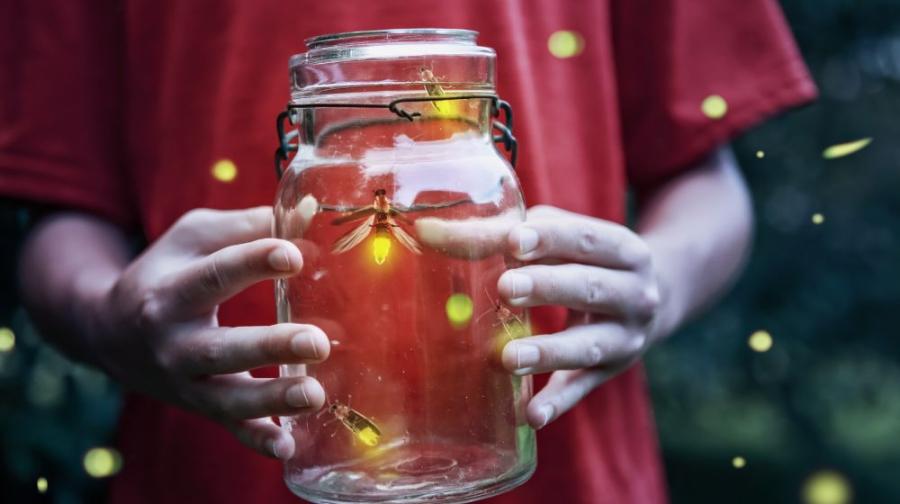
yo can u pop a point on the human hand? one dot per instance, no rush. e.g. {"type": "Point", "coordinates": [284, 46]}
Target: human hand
{"type": "Point", "coordinates": [603, 273]}
{"type": "Point", "coordinates": [156, 329]}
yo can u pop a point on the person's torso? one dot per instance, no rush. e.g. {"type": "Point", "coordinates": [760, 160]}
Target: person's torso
{"type": "Point", "coordinates": [204, 82]}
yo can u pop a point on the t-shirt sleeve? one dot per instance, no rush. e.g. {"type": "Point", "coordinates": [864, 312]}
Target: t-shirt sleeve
{"type": "Point", "coordinates": [61, 131]}
{"type": "Point", "coordinates": [672, 56]}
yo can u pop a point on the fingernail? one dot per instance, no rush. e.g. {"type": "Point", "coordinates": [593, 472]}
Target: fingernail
{"type": "Point", "coordinates": [273, 448]}
{"type": "Point", "coordinates": [304, 342]}
{"type": "Point", "coordinates": [282, 447]}
{"type": "Point", "coordinates": [527, 356]}
{"type": "Point", "coordinates": [528, 240]}
{"type": "Point", "coordinates": [518, 285]}
{"type": "Point", "coordinates": [296, 396]}
{"type": "Point", "coordinates": [546, 413]}
{"type": "Point", "coordinates": [279, 259]}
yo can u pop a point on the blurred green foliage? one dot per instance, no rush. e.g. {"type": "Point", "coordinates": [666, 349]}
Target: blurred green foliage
{"type": "Point", "coordinates": [51, 410]}
{"type": "Point", "coordinates": [825, 396]}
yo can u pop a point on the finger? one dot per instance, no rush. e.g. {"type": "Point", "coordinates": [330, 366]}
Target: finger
{"type": "Point", "coordinates": [225, 350]}
{"type": "Point", "coordinates": [594, 345]}
{"type": "Point", "coordinates": [563, 391]}
{"type": "Point", "coordinates": [579, 287]}
{"type": "Point", "coordinates": [241, 397]}
{"type": "Point", "coordinates": [264, 436]}
{"type": "Point", "coordinates": [207, 282]}
{"type": "Point", "coordinates": [579, 239]}
{"type": "Point", "coordinates": [204, 230]}
{"type": "Point", "coordinates": [473, 238]}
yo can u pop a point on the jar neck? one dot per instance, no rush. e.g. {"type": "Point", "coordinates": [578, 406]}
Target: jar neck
{"type": "Point", "coordinates": [381, 66]}
{"type": "Point", "coordinates": [341, 132]}
{"type": "Point", "coordinates": [346, 81]}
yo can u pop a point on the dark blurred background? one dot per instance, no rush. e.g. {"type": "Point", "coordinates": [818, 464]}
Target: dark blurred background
{"type": "Point", "coordinates": [788, 391]}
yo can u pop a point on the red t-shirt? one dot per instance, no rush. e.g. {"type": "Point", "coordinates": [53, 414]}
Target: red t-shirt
{"type": "Point", "coordinates": [122, 108]}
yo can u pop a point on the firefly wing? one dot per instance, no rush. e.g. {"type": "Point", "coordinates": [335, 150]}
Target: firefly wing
{"type": "Point", "coordinates": [355, 214]}
{"type": "Point", "coordinates": [404, 238]}
{"type": "Point", "coordinates": [353, 237]}
{"type": "Point", "coordinates": [340, 208]}
{"type": "Point", "coordinates": [418, 207]}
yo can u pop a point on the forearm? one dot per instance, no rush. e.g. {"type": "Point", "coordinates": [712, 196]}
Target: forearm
{"type": "Point", "coordinates": [698, 227]}
{"type": "Point", "coordinates": [68, 263]}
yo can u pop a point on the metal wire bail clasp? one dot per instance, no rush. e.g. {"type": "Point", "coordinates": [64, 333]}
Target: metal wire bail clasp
{"type": "Point", "coordinates": [287, 139]}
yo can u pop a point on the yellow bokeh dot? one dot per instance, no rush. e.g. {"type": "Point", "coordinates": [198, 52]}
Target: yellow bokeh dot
{"type": "Point", "coordinates": [738, 462]}
{"type": "Point", "coordinates": [760, 341]}
{"type": "Point", "coordinates": [7, 339]}
{"type": "Point", "coordinates": [845, 149]}
{"type": "Point", "coordinates": [459, 309]}
{"type": "Point", "coordinates": [818, 218]}
{"type": "Point", "coordinates": [760, 154]}
{"type": "Point", "coordinates": [102, 462]}
{"type": "Point", "coordinates": [714, 107]}
{"type": "Point", "coordinates": [565, 43]}
{"type": "Point", "coordinates": [42, 484]}
{"type": "Point", "coordinates": [827, 487]}
{"type": "Point", "coordinates": [224, 170]}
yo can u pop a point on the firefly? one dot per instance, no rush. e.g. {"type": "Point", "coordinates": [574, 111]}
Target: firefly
{"type": "Point", "coordinates": [384, 217]}
{"type": "Point", "coordinates": [431, 87]}
{"type": "Point", "coordinates": [362, 428]}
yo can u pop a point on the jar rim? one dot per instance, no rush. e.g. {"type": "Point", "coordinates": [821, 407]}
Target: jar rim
{"type": "Point", "coordinates": [453, 35]}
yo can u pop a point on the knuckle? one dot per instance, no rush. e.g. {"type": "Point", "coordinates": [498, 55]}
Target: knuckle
{"type": "Point", "coordinates": [638, 342]}
{"type": "Point", "coordinates": [634, 251]}
{"type": "Point", "coordinates": [211, 352]}
{"type": "Point", "coordinates": [596, 290]}
{"type": "Point", "coordinates": [538, 211]}
{"type": "Point", "coordinates": [593, 354]}
{"type": "Point", "coordinates": [647, 303]}
{"type": "Point", "coordinates": [587, 240]}
{"type": "Point", "coordinates": [169, 359]}
{"type": "Point", "coordinates": [150, 312]}
{"type": "Point", "coordinates": [192, 218]}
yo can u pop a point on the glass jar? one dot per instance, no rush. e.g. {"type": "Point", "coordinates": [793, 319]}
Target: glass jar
{"type": "Point", "coordinates": [401, 204]}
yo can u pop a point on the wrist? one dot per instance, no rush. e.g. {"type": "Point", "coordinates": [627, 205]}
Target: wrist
{"type": "Point", "coordinates": [92, 292]}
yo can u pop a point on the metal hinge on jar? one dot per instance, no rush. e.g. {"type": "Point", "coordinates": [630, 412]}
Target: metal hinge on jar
{"type": "Point", "coordinates": [504, 135]}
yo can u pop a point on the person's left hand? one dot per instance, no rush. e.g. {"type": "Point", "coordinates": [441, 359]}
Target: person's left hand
{"type": "Point", "coordinates": [604, 274]}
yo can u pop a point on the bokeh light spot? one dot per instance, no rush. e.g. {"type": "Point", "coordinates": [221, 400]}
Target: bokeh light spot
{"type": "Point", "coordinates": [714, 107]}
{"type": "Point", "coordinates": [224, 170]}
{"type": "Point", "coordinates": [818, 218]}
{"type": "Point", "coordinates": [827, 487]}
{"type": "Point", "coordinates": [760, 154]}
{"type": "Point", "coordinates": [738, 462]}
{"type": "Point", "coordinates": [42, 484]}
{"type": "Point", "coordinates": [845, 149]}
{"type": "Point", "coordinates": [565, 43]}
{"type": "Point", "coordinates": [459, 309]}
{"type": "Point", "coordinates": [102, 462]}
{"type": "Point", "coordinates": [7, 339]}
{"type": "Point", "coordinates": [760, 341]}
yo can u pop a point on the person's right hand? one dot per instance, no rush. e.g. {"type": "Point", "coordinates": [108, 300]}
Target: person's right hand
{"type": "Point", "coordinates": [156, 329]}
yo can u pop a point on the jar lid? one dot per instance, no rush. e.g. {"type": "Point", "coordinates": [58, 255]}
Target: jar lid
{"type": "Point", "coordinates": [374, 61]}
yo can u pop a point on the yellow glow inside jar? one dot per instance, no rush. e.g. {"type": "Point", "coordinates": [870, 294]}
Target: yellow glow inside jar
{"type": "Point", "coordinates": [381, 246]}
{"type": "Point", "coordinates": [368, 436]}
